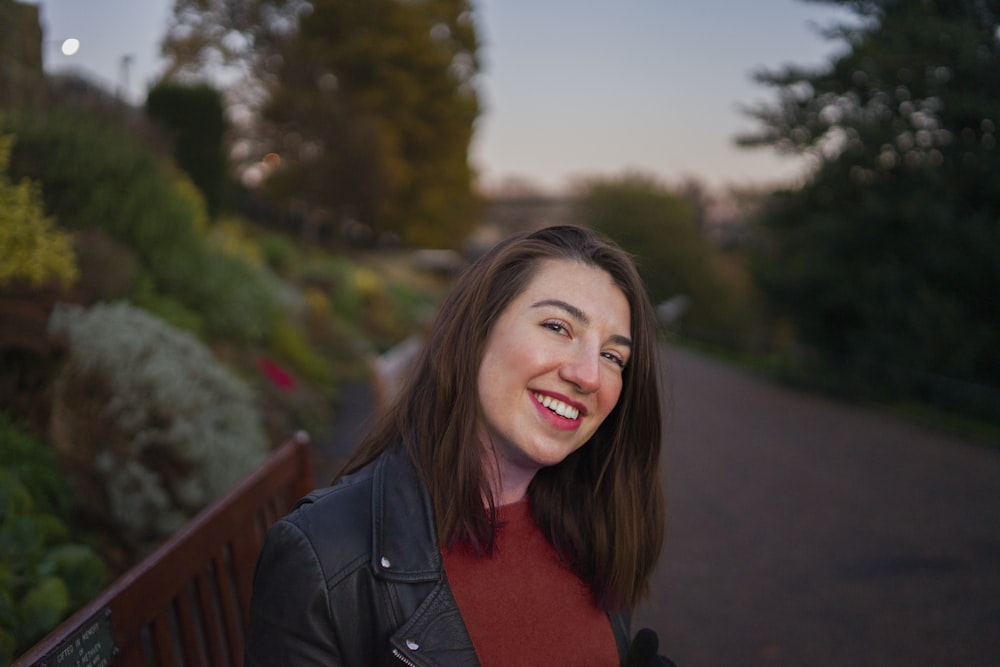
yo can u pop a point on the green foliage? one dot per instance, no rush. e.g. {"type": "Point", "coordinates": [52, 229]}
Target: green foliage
{"type": "Point", "coordinates": [168, 308]}
{"type": "Point", "coordinates": [278, 252]}
{"type": "Point", "coordinates": [31, 248]}
{"type": "Point", "coordinates": [193, 117]}
{"type": "Point", "coordinates": [33, 466]}
{"type": "Point", "coordinates": [98, 176]}
{"type": "Point", "coordinates": [887, 261]}
{"type": "Point", "coordinates": [289, 343]}
{"type": "Point", "coordinates": [44, 574]}
{"type": "Point", "coordinates": [109, 269]}
{"type": "Point", "coordinates": [373, 115]}
{"type": "Point", "coordinates": [230, 236]}
{"type": "Point", "coordinates": [660, 230]}
{"type": "Point", "coordinates": [233, 297]}
{"type": "Point", "coordinates": [238, 34]}
{"type": "Point", "coordinates": [370, 105]}
{"type": "Point", "coordinates": [191, 425]}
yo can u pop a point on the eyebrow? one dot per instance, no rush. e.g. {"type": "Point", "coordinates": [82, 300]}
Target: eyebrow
{"type": "Point", "coordinates": [580, 316]}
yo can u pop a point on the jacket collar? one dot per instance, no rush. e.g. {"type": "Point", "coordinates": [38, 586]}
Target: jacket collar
{"type": "Point", "coordinates": [404, 535]}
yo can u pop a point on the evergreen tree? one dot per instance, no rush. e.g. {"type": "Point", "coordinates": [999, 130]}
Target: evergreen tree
{"type": "Point", "coordinates": [194, 119]}
{"type": "Point", "coordinates": [887, 260]}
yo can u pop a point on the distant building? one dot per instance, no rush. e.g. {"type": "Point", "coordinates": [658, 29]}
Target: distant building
{"type": "Point", "coordinates": [22, 76]}
{"type": "Point", "coordinates": [503, 215]}
{"type": "Point", "coordinates": [512, 214]}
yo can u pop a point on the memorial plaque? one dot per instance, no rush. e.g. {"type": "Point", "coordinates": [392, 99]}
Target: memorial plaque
{"type": "Point", "coordinates": [92, 645]}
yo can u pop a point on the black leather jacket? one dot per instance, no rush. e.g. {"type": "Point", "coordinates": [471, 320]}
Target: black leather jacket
{"type": "Point", "coordinates": [353, 576]}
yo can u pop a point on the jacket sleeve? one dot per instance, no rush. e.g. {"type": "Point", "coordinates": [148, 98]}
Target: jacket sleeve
{"type": "Point", "coordinates": [290, 620]}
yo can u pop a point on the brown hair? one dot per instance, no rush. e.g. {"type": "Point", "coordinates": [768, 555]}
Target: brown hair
{"type": "Point", "coordinates": [602, 507]}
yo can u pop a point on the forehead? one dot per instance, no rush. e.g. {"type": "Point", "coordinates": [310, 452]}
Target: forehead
{"type": "Point", "coordinates": [587, 287]}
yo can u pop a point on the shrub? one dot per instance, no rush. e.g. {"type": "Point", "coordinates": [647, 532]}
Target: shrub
{"type": "Point", "coordinates": [290, 343]}
{"type": "Point", "coordinates": [228, 235]}
{"type": "Point", "coordinates": [175, 428]}
{"type": "Point", "coordinates": [279, 253]}
{"type": "Point", "coordinates": [31, 248]}
{"type": "Point", "coordinates": [109, 269]}
{"type": "Point", "coordinates": [98, 176]}
{"type": "Point", "coordinates": [44, 573]}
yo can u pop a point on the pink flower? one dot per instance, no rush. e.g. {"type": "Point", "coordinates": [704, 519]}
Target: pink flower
{"type": "Point", "coordinates": [278, 376]}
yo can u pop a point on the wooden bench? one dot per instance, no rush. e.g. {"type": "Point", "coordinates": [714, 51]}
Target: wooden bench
{"type": "Point", "coordinates": [188, 602]}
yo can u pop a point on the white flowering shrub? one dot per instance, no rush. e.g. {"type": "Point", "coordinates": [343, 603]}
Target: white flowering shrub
{"type": "Point", "coordinates": [146, 418]}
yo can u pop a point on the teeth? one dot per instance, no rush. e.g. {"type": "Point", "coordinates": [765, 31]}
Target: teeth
{"type": "Point", "coordinates": [558, 407]}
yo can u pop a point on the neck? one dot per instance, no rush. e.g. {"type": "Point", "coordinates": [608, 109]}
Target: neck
{"type": "Point", "coordinates": [509, 496]}
{"type": "Point", "coordinates": [508, 483]}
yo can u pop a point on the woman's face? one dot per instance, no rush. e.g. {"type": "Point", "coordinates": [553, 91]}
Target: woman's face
{"type": "Point", "coordinates": [552, 367]}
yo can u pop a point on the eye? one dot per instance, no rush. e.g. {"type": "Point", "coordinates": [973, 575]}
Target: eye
{"type": "Point", "coordinates": [556, 326]}
{"type": "Point", "coordinates": [616, 358]}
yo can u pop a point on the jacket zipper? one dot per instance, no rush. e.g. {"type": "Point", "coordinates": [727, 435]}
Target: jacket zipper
{"type": "Point", "coordinates": [403, 659]}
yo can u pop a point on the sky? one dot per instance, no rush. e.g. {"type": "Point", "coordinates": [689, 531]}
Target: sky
{"type": "Point", "coordinates": [569, 88]}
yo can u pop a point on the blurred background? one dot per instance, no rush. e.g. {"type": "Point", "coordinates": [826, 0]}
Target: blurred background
{"type": "Point", "coordinates": [219, 219]}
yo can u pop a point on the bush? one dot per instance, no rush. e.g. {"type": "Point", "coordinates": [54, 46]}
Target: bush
{"type": "Point", "coordinates": [290, 344]}
{"type": "Point", "coordinates": [98, 176]}
{"type": "Point", "coordinates": [31, 248]}
{"type": "Point", "coordinates": [174, 428]}
{"type": "Point", "coordinates": [279, 253]}
{"type": "Point", "coordinates": [44, 574]}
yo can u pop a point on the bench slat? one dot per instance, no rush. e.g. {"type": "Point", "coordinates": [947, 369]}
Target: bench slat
{"type": "Point", "coordinates": [211, 622]}
{"type": "Point", "coordinates": [189, 623]}
{"type": "Point", "coordinates": [245, 547]}
{"type": "Point", "coordinates": [229, 603]}
{"type": "Point", "coordinates": [163, 643]}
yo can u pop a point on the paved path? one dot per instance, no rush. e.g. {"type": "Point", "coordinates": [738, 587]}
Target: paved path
{"type": "Point", "coordinates": [354, 416]}
{"type": "Point", "coordinates": [806, 532]}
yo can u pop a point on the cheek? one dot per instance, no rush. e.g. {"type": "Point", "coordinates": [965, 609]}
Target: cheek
{"type": "Point", "coordinates": [519, 358]}
{"type": "Point", "coordinates": [611, 391]}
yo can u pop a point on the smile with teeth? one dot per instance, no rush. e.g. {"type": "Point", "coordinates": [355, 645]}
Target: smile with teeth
{"type": "Point", "coordinates": [557, 406]}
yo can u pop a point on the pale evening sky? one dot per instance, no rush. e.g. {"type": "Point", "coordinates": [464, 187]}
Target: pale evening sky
{"type": "Point", "coordinates": [569, 87]}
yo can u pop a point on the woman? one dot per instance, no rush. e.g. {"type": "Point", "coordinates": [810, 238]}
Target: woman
{"type": "Point", "coordinates": [507, 509]}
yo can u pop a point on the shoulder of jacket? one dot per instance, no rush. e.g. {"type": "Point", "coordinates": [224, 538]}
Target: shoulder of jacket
{"type": "Point", "coordinates": [337, 522]}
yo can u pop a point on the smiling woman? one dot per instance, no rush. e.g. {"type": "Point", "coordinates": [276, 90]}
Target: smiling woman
{"type": "Point", "coordinates": [507, 509]}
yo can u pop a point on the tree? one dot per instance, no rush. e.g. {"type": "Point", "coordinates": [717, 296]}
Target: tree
{"type": "Point", "coordinates": [368, 107]}
{"type": "Point", "coordinates": [661, 230]}
{"type": "Point", "coordinates": [373, 114]}
{"type": "Point", "coordinates": [887, 259]}
{"type": "Point", "coordinates": [193, 116]}
{"type": "Point", "coordinates": [240, 36]}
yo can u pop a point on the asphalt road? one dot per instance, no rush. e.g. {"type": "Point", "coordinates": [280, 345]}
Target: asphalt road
{"type": "Point", "coordinates": [807, 532]}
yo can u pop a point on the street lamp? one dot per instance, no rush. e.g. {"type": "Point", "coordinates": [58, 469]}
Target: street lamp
{"type": "Point", "coordinates": [124, 65]}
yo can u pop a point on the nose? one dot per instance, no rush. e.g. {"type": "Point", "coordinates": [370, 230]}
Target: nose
{"type": "Point", "coordinates": [582, 370]}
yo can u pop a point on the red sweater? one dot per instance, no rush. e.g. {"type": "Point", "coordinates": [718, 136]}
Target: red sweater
{"type": "Point", "coordinates": [522, 605]}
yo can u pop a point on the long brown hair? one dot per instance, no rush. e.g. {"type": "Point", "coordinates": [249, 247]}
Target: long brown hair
{"type": "Point", "coordinates": [602, 507]}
